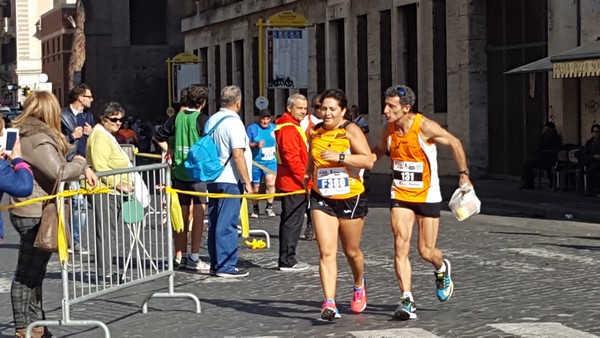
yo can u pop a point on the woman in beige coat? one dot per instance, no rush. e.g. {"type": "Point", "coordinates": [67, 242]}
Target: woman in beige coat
{"type": "Point", "coordinates": [45, 148]}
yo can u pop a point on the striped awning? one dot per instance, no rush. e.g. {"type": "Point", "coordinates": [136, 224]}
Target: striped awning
{"type": "Point", "coordinates": [577, 62]}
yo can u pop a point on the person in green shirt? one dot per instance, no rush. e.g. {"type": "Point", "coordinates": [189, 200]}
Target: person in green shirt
{"type": "Point", "coordinates": [184, 129]}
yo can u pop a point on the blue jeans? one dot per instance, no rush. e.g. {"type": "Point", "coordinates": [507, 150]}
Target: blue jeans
{"type": "Point", "coordinates": [223, 215]}
{"type": "Point", "coordinates": [78, 207]}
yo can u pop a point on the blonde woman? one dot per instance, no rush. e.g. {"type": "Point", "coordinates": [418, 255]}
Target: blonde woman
{"type": "Point", "coordinates": [44, 148]}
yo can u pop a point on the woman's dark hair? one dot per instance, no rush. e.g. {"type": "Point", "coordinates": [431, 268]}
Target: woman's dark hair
{"type": "Point", "coordinates": [110, 109]}
{"type": "Point", "coordinates": [336, 94]}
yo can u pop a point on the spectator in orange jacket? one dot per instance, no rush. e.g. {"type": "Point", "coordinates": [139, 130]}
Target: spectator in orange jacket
{"type": "Point", "coordinates": [292, 157]}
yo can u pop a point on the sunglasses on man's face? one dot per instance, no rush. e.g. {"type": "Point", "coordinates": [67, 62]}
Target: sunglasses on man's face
{"type": "Point", "coordinates": [115, 119]}
{"type": "Point", "coordinates": [316, 106]}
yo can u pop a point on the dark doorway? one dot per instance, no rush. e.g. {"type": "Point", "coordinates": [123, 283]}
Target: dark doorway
{"type": "Point", "coordinates": [517, 103]}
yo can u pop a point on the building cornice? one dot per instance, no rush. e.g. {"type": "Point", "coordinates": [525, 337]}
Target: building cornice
{"type": "Point", "coordinates": [230, 12]}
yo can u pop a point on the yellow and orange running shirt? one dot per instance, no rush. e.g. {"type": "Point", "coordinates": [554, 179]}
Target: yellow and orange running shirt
{"type": "Point", "coordinates": [414, 165]}
{"type": "Point", "coordinates": [332, 179]}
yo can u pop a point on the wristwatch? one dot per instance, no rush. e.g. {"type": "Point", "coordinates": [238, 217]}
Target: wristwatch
{"type": "Point", "coordinates": [465, 172]}
{"type": "Point", "coordinates": [342, 158]}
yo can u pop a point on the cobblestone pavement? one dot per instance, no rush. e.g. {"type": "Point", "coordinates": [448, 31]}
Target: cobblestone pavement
{"type": "Point", "coordinates": [513, 277]}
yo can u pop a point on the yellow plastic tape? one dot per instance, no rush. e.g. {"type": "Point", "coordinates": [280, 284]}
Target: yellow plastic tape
{"type": "Point", "coordinates": [63, 246]}
{"type": "Point", "coordinates": [68, 193]}
{"type": "Point", "coordinates": [244, 219]}
{"type": "Point", "coordinates": [176, 212]}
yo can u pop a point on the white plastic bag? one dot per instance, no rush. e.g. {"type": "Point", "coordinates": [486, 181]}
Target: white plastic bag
{"type": "Point", "coordinates": [464, 203]}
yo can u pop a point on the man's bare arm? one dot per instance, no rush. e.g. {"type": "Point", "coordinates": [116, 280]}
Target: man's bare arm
{"type": "Point", "coordinates": [381, 148]}
{"type": "Point", "coordinates": [431, 130]}
{"type": "Point", "coordinates": [237, 155]}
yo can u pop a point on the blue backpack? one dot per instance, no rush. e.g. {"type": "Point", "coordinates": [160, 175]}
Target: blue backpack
{"type": "Point", "coordinates": [203, 163]}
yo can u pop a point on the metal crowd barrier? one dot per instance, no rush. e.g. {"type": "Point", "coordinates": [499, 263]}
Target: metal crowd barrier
{"type": "Point", "coordinates": [123, 243]}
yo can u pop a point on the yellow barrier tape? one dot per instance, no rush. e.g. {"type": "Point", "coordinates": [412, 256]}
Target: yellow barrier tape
{"type": "Point", "coordinates": [149, 155]}
{"type": "Point", "coordinates": [68, 193]}
{"type": "Point", "coordinates": [262, 167]}
{"type": "Point", "coordinates": [244, 222]}
{"type": "Point", "coordinates": [248, 196]}
{"type": "Point", "coordinates": [63, 251]}
{"type": "Point", "coordinates": [176, 213]}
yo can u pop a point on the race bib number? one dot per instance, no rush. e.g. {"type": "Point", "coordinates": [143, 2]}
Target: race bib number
{"type": "Point", "coordinates": [333, 181]}
{"type": "Point", "coordinates": [408, 174]}
{"type": "Point", "coordinates": [268, 153]}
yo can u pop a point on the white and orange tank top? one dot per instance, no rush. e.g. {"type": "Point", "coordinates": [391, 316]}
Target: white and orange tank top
{"type": "Point", "coordinates": [414, 165]}
{"type": "Point", "coordinates": [333, 179]}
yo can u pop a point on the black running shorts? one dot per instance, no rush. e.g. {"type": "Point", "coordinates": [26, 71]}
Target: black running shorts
{"type": "Point", "coordinates": [185, 199]}
{"type": "Point", "coordinates": [349, 208]}
{"type": "Point", "coordinates": [421, 209]}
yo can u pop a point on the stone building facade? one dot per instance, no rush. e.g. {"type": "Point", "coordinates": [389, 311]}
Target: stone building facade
{"type": "Point", "coordinates": [363, 47]}
{"type": "Point", "coordinates": [453, 53]}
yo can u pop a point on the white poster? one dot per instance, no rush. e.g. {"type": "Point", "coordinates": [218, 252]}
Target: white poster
{"type": "Point", "coordinates": [287, 58]}
{"type": "Point", "coordinates": [184, 74]}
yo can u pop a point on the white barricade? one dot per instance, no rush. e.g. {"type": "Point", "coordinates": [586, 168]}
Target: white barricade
{"type": "Point", "coordinates": [125, 240]}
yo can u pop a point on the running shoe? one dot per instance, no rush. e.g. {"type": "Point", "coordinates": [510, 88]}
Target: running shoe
{"type": "Point", "coordinates": [443, 283]}
{"type": "Point", "coordinates": [329, 311]}
{"type": "Point", "coordinates": [179, 263]}
{"type": "Point", "coordinates": [406, 310]}
{"type": "Point", "coordinates": [269, 212]}
{"type": "Point", "coordinates": [359, 298]}
{"type": "Point", "coordinates": [255, 212]}
{"type": "Point", "coordinates": [235, 273]}
{"type": "Point", "coordinates": [300, 266]}
{"type": "Point", "coordinates": [198, 265]}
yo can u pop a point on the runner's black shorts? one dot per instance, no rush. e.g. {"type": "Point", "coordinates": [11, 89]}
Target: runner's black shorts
{"type": "Point", "coordinates": [421, 209]}
{"type": "Point", "coordinates": [190, 186]}
{"type": "Point", "coordinates": [349, 208]}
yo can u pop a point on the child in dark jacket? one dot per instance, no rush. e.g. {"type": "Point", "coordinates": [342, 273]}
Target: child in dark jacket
{"type": "Point", "coordinates": [15, 180]}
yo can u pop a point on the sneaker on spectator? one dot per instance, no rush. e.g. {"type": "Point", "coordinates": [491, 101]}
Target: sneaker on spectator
{"type": "Point", "coordinates": [236, 273]}
{"type": "Point", "coordinates": [269, 212]}
{"type": "Point", "coordinates": [300, 266]}
{"type": "Point", "coordinates": [255, 212]}
{"type": "Point", "coordinates": [179, 264]}
{"type": "Point", "coordinates": [77, 248]}
{"type": "Point", "coordinates": [198, 265]}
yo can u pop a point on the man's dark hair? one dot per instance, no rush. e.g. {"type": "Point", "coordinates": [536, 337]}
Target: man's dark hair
{"type": "Point", "coordinates": [406, 95]}
{"type": "Point", "coordinates": [183, 98]}
{"type": "Point", "coordinates": [196, 96]}
{"type": "Point", "coordinates": [595, 125]}
{"type": "Point", "coordinates": [336, 94]}
{"type": "Point", "coordinates": [550, 125]}
{"type": "Point", "coordinates": [77, 91]}
{"type": "Point", "coordinates": [111, 108]}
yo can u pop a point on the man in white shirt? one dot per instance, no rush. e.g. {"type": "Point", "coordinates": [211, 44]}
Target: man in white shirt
{"type": "Point", "coordinates": [234, 151]}
{"type": "Point", "coordinates": [312, 118]}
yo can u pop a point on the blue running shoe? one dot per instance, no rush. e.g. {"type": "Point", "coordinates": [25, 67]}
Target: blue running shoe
{"type": "Point", "coordinates": [406, 310]}
{"type": "Point", "coordinates": [329, 311]}
{"type": "Point", "coordinates": [443, 283]}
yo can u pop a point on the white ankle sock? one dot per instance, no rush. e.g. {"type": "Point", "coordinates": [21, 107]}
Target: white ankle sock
{"type": "Point", "coordinates": [408, 294]}
{"type": "Point", "coordinates": [442, 269]}
{"type": "Point", "coordinates": [194, 256]}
